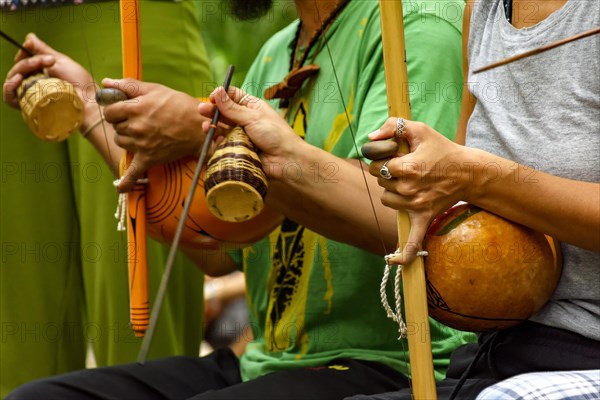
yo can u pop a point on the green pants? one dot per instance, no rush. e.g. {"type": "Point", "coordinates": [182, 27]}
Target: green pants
{"type": "Point", "coordinates": [64, 273]}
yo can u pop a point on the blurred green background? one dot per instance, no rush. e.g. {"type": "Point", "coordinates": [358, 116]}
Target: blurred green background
{"type": "Point", "coordinates": [229, 41]}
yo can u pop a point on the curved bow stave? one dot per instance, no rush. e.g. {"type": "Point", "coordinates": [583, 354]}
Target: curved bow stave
{"type": "Point", "coordinates": [136, 202]}
{"type": "Point", "coordinates": [413, 274]}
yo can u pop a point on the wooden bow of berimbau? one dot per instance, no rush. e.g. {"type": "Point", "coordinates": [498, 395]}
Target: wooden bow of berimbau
{"type": "Point", "coordinates": [413, 274]}
{"type": "Point", "coordinates": [136, 204]}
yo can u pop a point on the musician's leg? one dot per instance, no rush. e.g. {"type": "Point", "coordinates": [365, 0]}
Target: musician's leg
{"type": "Point", "coordinates": [166, 379]}
{"type": "Point", "coordinates": [462, 358]}
{"type": "Point", "coordinates": [469, 391]}
{"type": "Point", "coordinates": [526, 348]}
{"type": "Point", "coordinates": [547, 385]}
{"type": "Point", "coordinates": [336, 380]}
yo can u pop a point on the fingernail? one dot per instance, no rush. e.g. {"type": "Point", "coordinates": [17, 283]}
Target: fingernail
{"type": "Point", "coordinates": [373, 134]}
{"type": "Point", "coordinates": [48, 59]}
{"type": "Point", "coordinates": [107, 81]}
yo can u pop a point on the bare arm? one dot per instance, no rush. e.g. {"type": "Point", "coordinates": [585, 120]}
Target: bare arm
{"type": "Point", "coordinates": [337, 206]}
{"type": "Point", "coordinates": [157, 124]}
{"type": "Point", "coordinates": [225, 288]}
{"type": "Point", "coordinates": [322, 191]}
{"type": "Point", "coordinates": [213, 262]}
{"type": "Point", "coordinates": [563, 208]}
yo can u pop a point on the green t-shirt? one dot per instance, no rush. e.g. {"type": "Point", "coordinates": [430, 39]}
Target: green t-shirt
{"type": "Point", "coordinates": [311, 299]}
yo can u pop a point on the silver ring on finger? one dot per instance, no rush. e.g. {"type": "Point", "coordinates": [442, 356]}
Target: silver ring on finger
{"type": "Point", "coordinates": [400, 127]}
{"type": "Point", "coordinates": [384, 172]}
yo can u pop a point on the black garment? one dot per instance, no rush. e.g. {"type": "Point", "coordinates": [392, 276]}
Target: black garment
{"type": "Point", "coordinates": [216, 376]}
{"type": "Point", "coordinates": [508, 9]}
{"type": "Point", "coordinates": [527, 347]}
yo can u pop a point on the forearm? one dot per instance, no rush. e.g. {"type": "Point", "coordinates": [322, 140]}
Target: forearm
{"type": "Point", "coordinates": [565, 209]}
{"type": "Point", "coordinates": [213, 262]}
{"type": "Point", "coordinates": [333, 197]}
{"type": "Point", "coordinates": [101, 135]}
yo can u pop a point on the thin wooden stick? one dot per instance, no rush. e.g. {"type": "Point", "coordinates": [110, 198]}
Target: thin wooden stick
{"type": "Point", "coordinates": [14, 42]}
{"type": "Point", "coordinates": [162, 289]}
{"type": "Point", "coordinates": [538, 50]}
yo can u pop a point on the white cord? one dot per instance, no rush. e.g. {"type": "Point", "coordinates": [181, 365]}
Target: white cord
{"type": "Point", "coordinates": [395, 316]}
{"type": "Point", "coordinates": [121, 212]}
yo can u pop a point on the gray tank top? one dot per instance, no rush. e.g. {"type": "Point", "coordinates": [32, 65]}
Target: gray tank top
{"type": "Point", "coordinates": [544, 112]}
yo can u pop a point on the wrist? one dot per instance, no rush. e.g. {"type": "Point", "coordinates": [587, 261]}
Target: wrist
{"type": "Point", "coordinates": [87, 93]}
{"type": "Point", "coordinates": [94, 118]}
{"type": "Point", "coordinates": [480, 170]}
{"type": "Point", "coordinates": [289, 166]}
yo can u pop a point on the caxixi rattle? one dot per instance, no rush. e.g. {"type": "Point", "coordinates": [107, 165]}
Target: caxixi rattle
{"type": "Point", "coordinates": [50, 106]}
